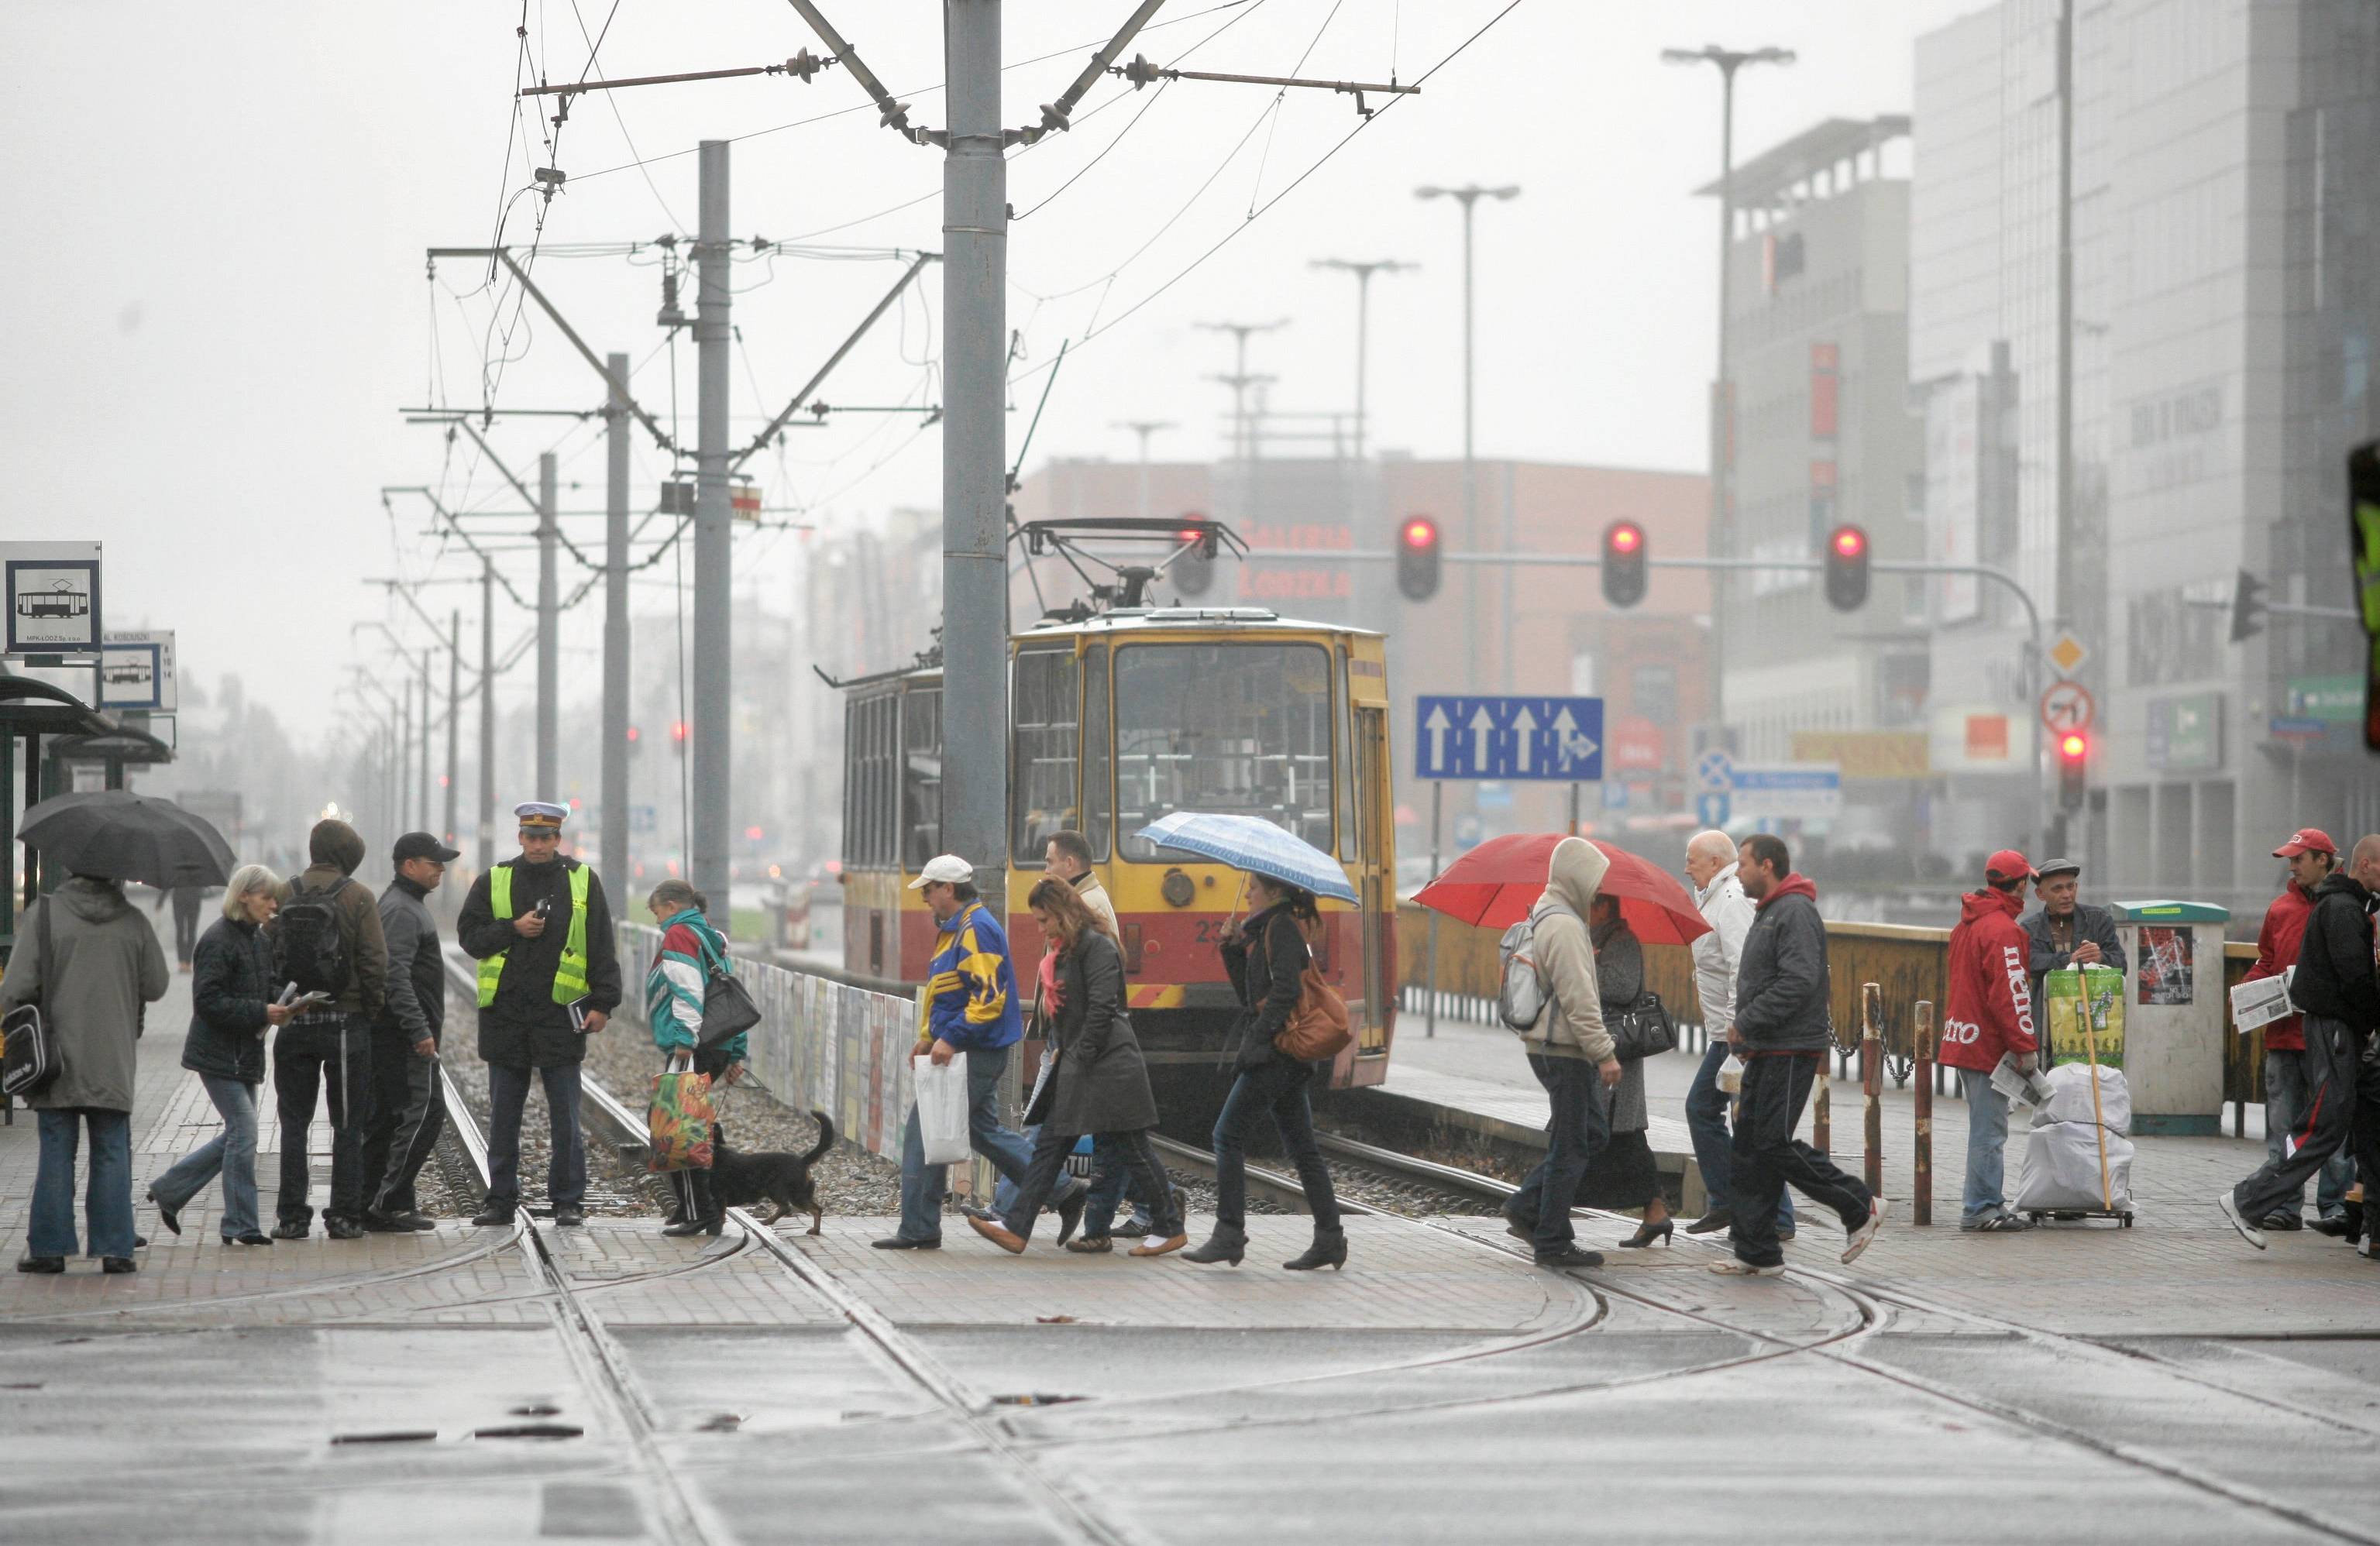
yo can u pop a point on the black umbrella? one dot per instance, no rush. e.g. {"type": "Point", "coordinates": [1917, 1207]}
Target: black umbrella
{"type": "Point", "coordinates": [117, 834]}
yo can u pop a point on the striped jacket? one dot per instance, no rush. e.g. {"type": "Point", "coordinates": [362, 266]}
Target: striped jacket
{"type": "Point", "coordinates": [971, 984]}
{"type": "Point", "coordinates": [673, 987]}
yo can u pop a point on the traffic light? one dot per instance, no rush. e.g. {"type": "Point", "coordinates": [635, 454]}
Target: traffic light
{"type": "Point", "coordinates": [1847, 569]}
{"type": "Point", "coordinates": [2247, 607]}
{"type": "Point", "coordinates": [1194, 571]}
{"type": "Point", "coordinates": [1623, 563]}
{"type": "Point", "coordinates": [1417, 558]}
{"type": "Point", "coordinates": [677, 736]}
{"type": "Point", "coordinates": [2073, 753]}
{"type": "Point", "coordinates": [635, 741]}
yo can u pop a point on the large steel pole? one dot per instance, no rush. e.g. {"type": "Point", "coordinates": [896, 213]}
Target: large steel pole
{"type": "Point", "coordinates": [453, 721]}
{"type": "Point", "coordinates": [400, 759]}
{"type": "Point", "coordinates": [1470, 198]}
{"type": "Point", "coordinates": [613, 863]}
{"type": "Point", "coordinates": [975, 450]}
{"type": "Point", "coordinates": [487, 854]}
{"type": "Point", "coordinates": [1721, 539]}
{"type": "Point", "coordinates": [713, 546]}
{"type": "Point", "coordinates": [549, 636]}
{"type": "Point", "coordinates": [423, 812]}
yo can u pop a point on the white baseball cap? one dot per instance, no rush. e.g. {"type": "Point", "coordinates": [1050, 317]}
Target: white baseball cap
{"type": "Point", "coordinates": [948, 868]}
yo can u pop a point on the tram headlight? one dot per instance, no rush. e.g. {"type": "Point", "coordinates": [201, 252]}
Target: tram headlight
{"type": "Point", "coordinates": [1177, 889]}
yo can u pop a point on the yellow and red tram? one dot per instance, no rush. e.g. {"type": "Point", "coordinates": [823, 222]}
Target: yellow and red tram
{"type": "Point", "coordinates": [1118, 718]}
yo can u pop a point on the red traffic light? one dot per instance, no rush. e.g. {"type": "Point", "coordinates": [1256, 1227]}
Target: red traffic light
{"type": "Point", "coordinates": [2073, 747]}
{"type": "Point", "coordinates": [1420, 532]}
{"type": "Point", "coordinates": [634, 734]}
{"type": "Point", "coordinates": [1850, 542]}
{"type": "Point", "coordinates": [1626, 537]}
{"type": "Point", "coordinates": [677, 730]}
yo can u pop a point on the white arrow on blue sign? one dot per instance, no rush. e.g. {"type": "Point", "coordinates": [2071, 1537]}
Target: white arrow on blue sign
{"type": "Point", "coordinates": [1546, 740]}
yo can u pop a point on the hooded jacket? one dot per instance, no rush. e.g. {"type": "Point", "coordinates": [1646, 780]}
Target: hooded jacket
{"type": "Point", "coordinates": [2336, 977]}
{"type": "Point", "coordinates": [2277, 950]}
{"type": "Point", "coordinates": [337, 850]}
{"type": "Point", "coordinates": [231, 983]}
{"type": "Point", "coordinates": [1572, 1023]}
{"type": "Point", "coordinates": [1780, 985]}
{"type": "Point", "coordinates": [1991, 1008]}
{"type": "Point", "coordinates": [104, 964]}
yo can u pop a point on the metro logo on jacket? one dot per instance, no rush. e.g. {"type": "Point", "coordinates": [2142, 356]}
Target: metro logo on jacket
{"type": "Point", "coordinates": [1990, 1011]}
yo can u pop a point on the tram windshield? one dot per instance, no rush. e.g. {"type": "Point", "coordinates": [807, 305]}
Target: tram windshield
{"type": "Point", "coordinates": [1243, 728]}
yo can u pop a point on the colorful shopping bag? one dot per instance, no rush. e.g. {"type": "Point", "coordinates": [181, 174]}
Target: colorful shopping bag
{"type": "Point", "coordinates": [2085, 1008]}
{"type": "Point", "coordinates": [678, 1122]}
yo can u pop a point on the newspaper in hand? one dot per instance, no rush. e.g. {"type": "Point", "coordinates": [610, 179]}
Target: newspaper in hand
{"type": "Point", "coordinates": [2263, 1001]}
{"type": "Point", "coordinates": [2029, 1088]}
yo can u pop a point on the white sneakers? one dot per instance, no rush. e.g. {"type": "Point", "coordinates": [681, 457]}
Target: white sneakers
{"type": "Point", "coordinates": [2248, 1231]}
{"type": "Point", "coordinates": [1864, 1233]}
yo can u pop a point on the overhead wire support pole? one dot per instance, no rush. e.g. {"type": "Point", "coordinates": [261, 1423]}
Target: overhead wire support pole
{"type": "Point", "coordinates": [1140, 72]}
{"type": "Point", "coordinates": [714, 601]}
{"type": "Point", "coordinates": [794, 405]}
{"type": "Point", "coordinates": [549, 638]}
{"type": "Point", "coordinates": [504, 256]}
{"type": "Point", "coordinates": [454, 724]}
{"type": "Point", "coordinates": [803, 65]}
{"type": "Point", "coordinates": [612, 859]}
{"type": "Point", "coordinates": [487, 845]}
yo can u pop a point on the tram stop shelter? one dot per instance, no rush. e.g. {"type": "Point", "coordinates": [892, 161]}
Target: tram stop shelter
{"type": "Point", "coordinates": [58, 728]}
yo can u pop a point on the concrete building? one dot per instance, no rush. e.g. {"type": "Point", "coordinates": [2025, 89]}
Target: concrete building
{"type": "Point", "coordinates": [2224, 305]}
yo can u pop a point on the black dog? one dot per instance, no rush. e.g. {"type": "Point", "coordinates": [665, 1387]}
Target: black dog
{"type": "Point", "coordinates": [781, 1180]}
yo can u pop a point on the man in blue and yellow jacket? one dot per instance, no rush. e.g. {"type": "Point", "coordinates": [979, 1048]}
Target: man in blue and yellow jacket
{"type": "Point", "coordinates": [970, 1007]}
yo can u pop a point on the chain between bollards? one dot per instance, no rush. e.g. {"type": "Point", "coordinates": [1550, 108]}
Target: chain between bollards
{"type": "Point", "coordinates": [1921, 1200]}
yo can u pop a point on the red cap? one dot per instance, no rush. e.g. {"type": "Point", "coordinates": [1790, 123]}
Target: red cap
{"type": "Point", "coordinates": [2307, 840]}
{"type": "Point", "coordinates": [2007, 864]}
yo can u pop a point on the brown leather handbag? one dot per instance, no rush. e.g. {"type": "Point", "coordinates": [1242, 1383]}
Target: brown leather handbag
{"type": "Point", "coordinates": [1317, 1028]}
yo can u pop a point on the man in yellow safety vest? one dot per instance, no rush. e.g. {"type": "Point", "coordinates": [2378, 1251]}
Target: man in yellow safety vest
{"type": "Point", "coordinates": [549, 978]}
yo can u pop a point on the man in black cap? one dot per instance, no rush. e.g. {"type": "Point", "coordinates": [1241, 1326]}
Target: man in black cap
{"type": "Point", "coordinates": [2066, 932]}
{"type": "Point", "coordinates": [408, 1105]}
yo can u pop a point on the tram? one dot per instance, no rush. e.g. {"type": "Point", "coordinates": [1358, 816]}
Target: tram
{"type": "Point", "coordinates": [1121, 712]}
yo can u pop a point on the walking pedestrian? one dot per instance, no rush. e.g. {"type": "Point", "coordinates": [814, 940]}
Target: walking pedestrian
{"type": "Point", "coordinates": [2338, 990]}
{"type": "Point", "coordinates": [1719, 895]}
{"type": "Point", "coordinates": [1625, 1176]}
{"type": "Point", "coordinates": [549, 978]}
{"type": "Point", "coordinates": [327, 940]}
{"type": "Point", "coordinates": [1988, 1016]}
{"type": "Point", "coordinates": [1100, 1084]}
{"type": "Point", "coordinates": [971, 1008]}
{"type": "Point", "coordinates": [690, 950]}
{"type": "Point", "coordinates": [90, 961]}
{"type": "Point", "coordinates": [1782, 1021]}
{"type": "Point", "coordinates": [2312, 857]}
{"type": "Point", "coordinates": [409, 1098]}
{"type": "Point", "coordinates": [232, 992]}
{"type": "Point", "coordinates": [1571, 1052]}
{"type": "Point", "coordinates": [1264, 957]}
{"type": "Point", "coordinates": [187, 900]}
{"type": "Point", "coordinates": [2064, 932]}
{"type": "Point", "coordinates": [1068, 858]}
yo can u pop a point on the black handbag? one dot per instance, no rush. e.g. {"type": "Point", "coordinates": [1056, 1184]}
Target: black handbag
{"type": "Point", "coordinates": [727, 1008]}
{"type": "Point", "coordinates": [1642, 1029]}
{"type": "Point", "coordinates": [29, 1063]}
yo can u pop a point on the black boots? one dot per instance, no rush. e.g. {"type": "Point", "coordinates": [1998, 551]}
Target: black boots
{"type": "Point", "coordinates": [1329, 1249]}
{"type": "Point", "coordinates": [1228, 1243]}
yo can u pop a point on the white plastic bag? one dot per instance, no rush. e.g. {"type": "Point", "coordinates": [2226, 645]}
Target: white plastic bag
{"type": "Point", "coordinates": [2061, 1157]}
{"type": "Point", "coordinates": [1730, 1075]}
{"type": "Point", "coordinates": [941, 1107]}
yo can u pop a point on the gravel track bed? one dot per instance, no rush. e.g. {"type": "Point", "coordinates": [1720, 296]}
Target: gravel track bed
{"type": "Point", "coordinates": [617, 1187]}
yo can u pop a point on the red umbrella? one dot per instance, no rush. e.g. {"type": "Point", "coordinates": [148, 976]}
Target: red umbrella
{"type": "Point", "coordinates": [1496, 884]}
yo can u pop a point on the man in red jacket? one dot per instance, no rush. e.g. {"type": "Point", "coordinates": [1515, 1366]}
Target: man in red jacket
{"type": "Point", "coordinates": [2312, 857]}
{"type": "Point", "coordinates": [1990, 1013]}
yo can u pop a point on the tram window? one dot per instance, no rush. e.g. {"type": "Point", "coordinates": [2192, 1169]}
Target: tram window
{"type": "Point", "coordinates": [921, 777]}
{"type": "Point", "coordinates": [1346, 781]}
{"type": "Point", "coordinates": [1243, 728]}
{"type": "Point", "coordinates": [1041, 774]}
{"type": "Point", "coordinates": [1099, 748]}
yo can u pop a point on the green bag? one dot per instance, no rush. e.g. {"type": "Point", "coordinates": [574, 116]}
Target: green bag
{"type": "Point", "coordinates": [2080, 997]}
{"type": "Point", "coordinates": [679, 1121]}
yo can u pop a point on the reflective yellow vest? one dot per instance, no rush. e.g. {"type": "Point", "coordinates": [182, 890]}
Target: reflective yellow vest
{"type": "Point", "coordinates": [570, 975]}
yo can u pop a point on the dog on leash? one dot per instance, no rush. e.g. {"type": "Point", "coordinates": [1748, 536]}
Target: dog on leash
{"type": "Point", "coordinates": [741, 1180]}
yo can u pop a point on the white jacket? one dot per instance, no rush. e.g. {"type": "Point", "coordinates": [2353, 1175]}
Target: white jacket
{"type": "Point", "coordinates": [1718, 954]}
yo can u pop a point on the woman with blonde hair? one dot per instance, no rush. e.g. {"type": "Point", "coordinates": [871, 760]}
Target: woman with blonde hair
{"type": "Point", "coordinates": [232, 994]}
{"type": "Point", "coordinates": [1101, 1085]}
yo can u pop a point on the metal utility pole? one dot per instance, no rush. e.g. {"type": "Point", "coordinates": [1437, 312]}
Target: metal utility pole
{"type": "Point", "coordinates": [453, 721]}
{"type": "Point", "coordinates": [400, 759]}
{"type": "Point", "coordinates": [424, 811]}
{"type": "Point", "coordinates": [1467, 196]}
{"type": "Point", "coordinates": [1144, 428]}
{"type": "Point", "coordinates": [1364, 272]}
{"type": "Point", "coordinates": [714, 602]}
{"type": "Point", "coordinates": [1244, 446]}
{"type": "Point", "coordinates": [975, 450]}
{"type": "Point", "coordinates": [1721, 539]}
{"type": "Point", "coordinates": [487, 855]}
{"type": "Point", "coordinates": [549, 634]}
{"type": "Point", "coordinates": [2063, 590]}
{"type": "Point", "coordinates": [613, 863]}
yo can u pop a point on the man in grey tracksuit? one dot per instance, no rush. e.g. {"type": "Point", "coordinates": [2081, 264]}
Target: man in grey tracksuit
{"type": "Point", "coordinates": [409, 1105]}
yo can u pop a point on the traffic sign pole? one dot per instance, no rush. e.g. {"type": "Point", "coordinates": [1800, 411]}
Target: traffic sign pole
{"type": "Point", "coordinates": [1437, 823]}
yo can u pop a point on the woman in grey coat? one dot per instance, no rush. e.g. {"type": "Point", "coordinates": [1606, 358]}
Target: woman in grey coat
{"type": "Point", "coordinates": [1099, 1086]}
{"type": "Point", "coordinates": [102, 963]}
{"type": "Point", "coordinates": [1623, 1175]}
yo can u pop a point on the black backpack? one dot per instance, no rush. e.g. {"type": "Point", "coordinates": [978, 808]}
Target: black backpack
{"type": "Point", "coordinates": [308, 948]}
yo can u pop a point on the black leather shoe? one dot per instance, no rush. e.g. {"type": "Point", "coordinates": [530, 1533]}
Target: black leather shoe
{"type": "Point", "coordinates": [490, 1215]}
{"type": "Point", "coordinates": [41, 1263]}
{"type": "Point", "coordinates": [2334, 1225]}
{"type": "Point", "coordinates": [1785, 1234]}
{"type": "Point", "coordinates": [569, 1215]}
{"type": "Point", "coordinates": [141, 1242]}
{"type": "Point", "coordinates": [114, 1265]}
{"type": "Point", "coordinates": [292, 1229]}
{"type": "Point", "coordinates": [382, 1224]}
{"type": "Point", "coordinates": [166, 1216]}
{"type": "Point", "coordinates": [896, 1242]}
{"type": "Point", "coordinates": [1070, 1214]}
{"type": "Point", "coordinates": [250, 1238]}
{"type": "Point", "coordinates": [343, 1230]}
{"type": "Point", "coordinates": [696, 1226]}
{"type": "Point", "coordinates": [413, 1219]}
{"type": "Point", "coordinates": [1712, 1222]}
{"type": "Point", "coordinates": [1569, 1256]}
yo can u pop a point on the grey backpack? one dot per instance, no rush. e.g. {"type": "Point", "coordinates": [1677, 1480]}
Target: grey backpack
{"type": "Point", "coordinates": [1522, 997]}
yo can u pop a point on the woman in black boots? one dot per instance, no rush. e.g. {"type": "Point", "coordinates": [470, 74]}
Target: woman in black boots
{"type": "Point", "coordinates": [1264, 957]}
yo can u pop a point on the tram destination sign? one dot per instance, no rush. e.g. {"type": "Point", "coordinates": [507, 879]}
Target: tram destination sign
{"type": "Point", "coordinates": [1544, 740]}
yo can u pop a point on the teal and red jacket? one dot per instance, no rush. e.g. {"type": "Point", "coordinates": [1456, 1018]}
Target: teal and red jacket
{"type": "Point", "coordinates": [680, 973]}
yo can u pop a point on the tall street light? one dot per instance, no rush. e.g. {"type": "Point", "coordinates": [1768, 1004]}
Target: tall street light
{"type": "Point", "coordinates": [1363, 272]}
{"type": "Point", "coordinates": [1144, 428]}
{"type": "Point", "coordinates": [1467, 196]}
{"type": "Point", "coordinates": [1722, 533]}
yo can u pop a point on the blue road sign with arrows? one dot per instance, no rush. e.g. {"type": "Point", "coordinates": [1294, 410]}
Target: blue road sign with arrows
{"type": "Point", "coordinates": [1544, 740]}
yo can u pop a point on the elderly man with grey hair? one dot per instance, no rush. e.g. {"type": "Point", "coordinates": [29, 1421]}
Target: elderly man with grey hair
{"type": "Point", "coordinates": [1711, 864]}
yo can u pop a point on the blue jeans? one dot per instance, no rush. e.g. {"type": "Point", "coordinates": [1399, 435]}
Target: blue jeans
{"type": "Point", "coordinates": [1987, 1148]}
{"type": "Point", "coordinates": [2285, 1103]}
{"type": "Point", "coordinates": [1579, 1129]}
{"type": "Point", "coordinates": [231, 1153]}
{"type": "Point", "coordinates": [566, 1165]}
{"type": "Point", "coordinates": [1707, 1110]}
{"type": "Point", "coordinates": [107, 1194]}
{"type": "Point", "coordinates": [1112, 1180]}
{"type": "Point", "coordinates": [1278, 1087]}
{"type": "Point", "coordinates": [924, 1186]}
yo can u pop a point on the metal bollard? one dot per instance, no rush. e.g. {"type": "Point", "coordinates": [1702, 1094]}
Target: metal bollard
{"type": "Point", "coordinates": [1872, 1081]}
{"type": "Point", "coordinates": [1921, 1199]}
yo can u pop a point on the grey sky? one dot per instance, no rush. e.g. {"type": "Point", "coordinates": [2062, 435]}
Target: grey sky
{"type": "Point", "coordinates": [218, 213]}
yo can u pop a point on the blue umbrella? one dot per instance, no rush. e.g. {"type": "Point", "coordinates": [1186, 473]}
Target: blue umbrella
{"type": "Point", "coordinates": [1255, 845]}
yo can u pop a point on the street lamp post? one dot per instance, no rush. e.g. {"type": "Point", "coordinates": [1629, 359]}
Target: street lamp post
{"type": "Point", "coordinates": [1467, 196]}
{"type": "Point", "coordinates": [1144, 428]}
{"type": "Point", "coordinates": [1364, 272]}
{"type": "Point", "coordinates": [1722, 533]}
